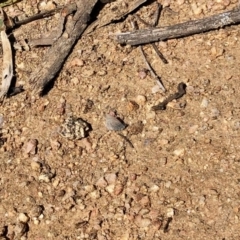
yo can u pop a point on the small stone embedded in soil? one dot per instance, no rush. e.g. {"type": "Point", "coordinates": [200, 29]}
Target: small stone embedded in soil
{"type": "Point", "coordinates": [23, 217]}
{"type": "Point", "coordinates": [44, 178]}
{"type": "Point", "coordinates": [170, 212]}
{"type": "Point", "coordinates": [110, 178]}
{"type": "Point", "coordinates": [132, 106]}
{"type": "Point", "coordinates": [179, 152]}
{"type": "Point", "coordinates": [142, 73]}
{"type": "Point", "coordinates": [31, 146]}
{"type": "Point", "coordinates": [74, 128]}
{"type": "Point", "coordinates": [154, 188]}
{"type": "Point", "coordinates": [113, 123]}
{"type": "Point", "coordinates": [110, 188]}
{"type": "Point", "coordinates": [76, 62]}
{"type": "Point", "coordinates": [142, 222]}
{"type": "Point", "coordinates": [118, 189]}
{"type": "Point", "coordinates": [204, 103]}
{"type": "Point", "coordinates": [141, 99]}
{"type": "Point", "coordinates": [36, 166]}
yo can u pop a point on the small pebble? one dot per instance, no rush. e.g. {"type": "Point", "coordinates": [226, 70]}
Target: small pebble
{"type": "Point", "coordinates": [154, 188]}
{"type": "Point", "coordinates": [179, 152]}
{"type": "Point", "coordinates": [196, 10]}
{"type": "Point", "coordinates": [50, 6]}
{"type": "Point", "coordinates": [170, 212]}
{"type": "Point", "coordinates": [111, 178]}
{"type": "Point", "coordinates": [118, 189]}
{"type": "Point", "coordinates": [204, 103]}
{"type": "Point", "coordinates": [132, 106]}
{"type": "Point", "coordinates": [31, 146]}
{"type": "Point", "coordinates": [44, 178]}
{"type": "Point", "coordinates": [141, 99]}
{"type": "Point", "coordinates": [142, 73]}
{"type": "Point", "coordinates": [113, 123]}
{"type": "Point", "coordinates": [110, 188]}
{"type": "Point", "coordinates": [77, 62]}
{"type": "Point", "coordinates": [23, 217]}
{"type": "Point", "coordinates": [36, 166]}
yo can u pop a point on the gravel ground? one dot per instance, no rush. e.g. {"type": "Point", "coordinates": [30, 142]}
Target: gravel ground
{"type": "Point", "coordinates": [181, 179]}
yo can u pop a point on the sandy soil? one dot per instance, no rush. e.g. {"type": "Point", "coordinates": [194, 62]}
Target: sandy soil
{"type": "Point", "coordinates": [181, 179]}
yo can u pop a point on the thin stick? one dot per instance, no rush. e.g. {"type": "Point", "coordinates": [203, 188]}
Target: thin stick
{"type": "Point", "coordinates": [71, 7]}
{"type": "Point", "coordinates": [153, 73]}
{"type": "Point", "coordinates": [180, 30]}
{"type": "Point", "coordinates": [158, 79]}
{"type": "Point", "coordinates": [157, 14]}
{"type": "Point", "coordinates": [160, 55]}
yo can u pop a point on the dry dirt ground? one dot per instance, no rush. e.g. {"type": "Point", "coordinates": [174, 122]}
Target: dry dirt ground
{"type": "Point", "coordinates": [181, 179]}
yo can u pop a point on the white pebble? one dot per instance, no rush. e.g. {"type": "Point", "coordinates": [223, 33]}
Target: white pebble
{"type": "Point", "coordinates": [112, 123]}
{"type": "Point", "coordinates": [154, 188]}
{"type": "Point", "coordinates": [140, 99]}
{"type": "Point", "coordinates": [179, 152]}
{"type": "Point", "coordinates": [110, 188]}
{"type": "Point", "coordinates": [44, 178]}
{"type": "Point", "coordinates": [168, 184]}
{"type": "Point", "coordinates": [204, 103]}
{"type": "Point", "coordinates": [170, 212]}
{"type": "Point", "coordinates": [22, 217]}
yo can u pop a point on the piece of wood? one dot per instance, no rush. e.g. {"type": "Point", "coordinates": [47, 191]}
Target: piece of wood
{"type": "Point", "coordinates": [58, 52]}
{"type": "Point", "coordinates": [179, 30]}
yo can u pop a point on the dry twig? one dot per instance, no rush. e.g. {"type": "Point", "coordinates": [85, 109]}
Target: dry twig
{"type": "Point", "coordinates": [153, 73]}
{"type": "Point", "coordinates": [58, 52]}
{"type": "Point", "coordinates": [179, 30]}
